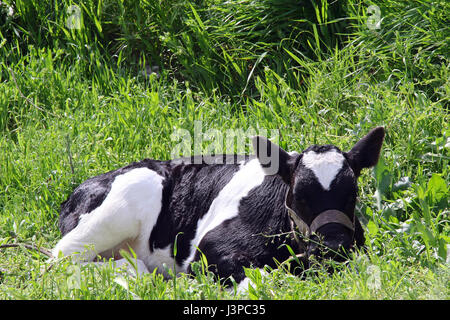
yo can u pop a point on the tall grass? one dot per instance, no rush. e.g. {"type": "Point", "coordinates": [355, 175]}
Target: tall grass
{"type": "Point", "coordinates": [78, 102]}
{"type": "Point", "coordinates": [213, 44]}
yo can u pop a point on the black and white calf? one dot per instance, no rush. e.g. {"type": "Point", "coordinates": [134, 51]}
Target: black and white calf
{"type": "Point", "coordinates": [235, 214]}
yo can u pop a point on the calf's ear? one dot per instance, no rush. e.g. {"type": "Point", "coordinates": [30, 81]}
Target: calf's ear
{"type": "Point", "coordinates": [366, 151]}
{"type": "Point", "coordinates": [273, 159]}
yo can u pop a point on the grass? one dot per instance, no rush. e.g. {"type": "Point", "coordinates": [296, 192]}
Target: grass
{"type": "Point", "coordinates": [76, 103]}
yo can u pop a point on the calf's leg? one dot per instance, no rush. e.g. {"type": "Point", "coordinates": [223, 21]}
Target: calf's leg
{"type": "Point", "coordinates": [126, 216]}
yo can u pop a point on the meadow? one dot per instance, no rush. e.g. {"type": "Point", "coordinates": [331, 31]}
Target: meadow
{"type": "Point", "coordinates": [90, 86]}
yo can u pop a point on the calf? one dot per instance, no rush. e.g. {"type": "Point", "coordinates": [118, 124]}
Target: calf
{"type": "Point", "coordinates": [236, 214]}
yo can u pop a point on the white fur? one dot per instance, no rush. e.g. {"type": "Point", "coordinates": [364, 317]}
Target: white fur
{"type": "Point", "coordinates": [324, 165]}
{"type": "Point", "coordinates": [242, 287]}
{"type": "Point", "coordinates": [225, 205]}
{"type": "Point", "coordinates": [161, 258]}
{"type": "Point", "coordinates": [139, 270]}
{"type": "Point", "coordinates": [126, 217]}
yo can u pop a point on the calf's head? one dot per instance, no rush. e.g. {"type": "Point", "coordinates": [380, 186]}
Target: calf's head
{"type": "Point", "coordinates": [322, 190]}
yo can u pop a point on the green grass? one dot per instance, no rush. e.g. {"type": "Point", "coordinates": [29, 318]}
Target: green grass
{"type": "Point", "coordinates": [75, 103]}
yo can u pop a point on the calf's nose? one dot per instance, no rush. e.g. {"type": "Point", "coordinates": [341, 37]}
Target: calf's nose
{"type": "Point", "coordinates": [334, 250]}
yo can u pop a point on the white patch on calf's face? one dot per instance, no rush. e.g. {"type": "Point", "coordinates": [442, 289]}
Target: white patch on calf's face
{"type": "Point", "coordinates": [324, 165]}
{"type": "Point", "coordinates": [226, 205]}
